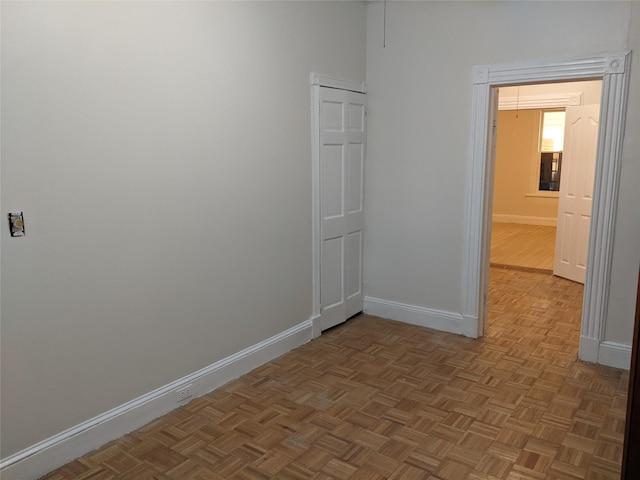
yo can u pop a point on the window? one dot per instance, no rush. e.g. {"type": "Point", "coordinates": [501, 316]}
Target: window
{"type": "Point", "coordinates": [552, 135]}
{"type": "Point", "coordinates": [551, 146]}
{"type": "Point", "coordinates": [550, 168]}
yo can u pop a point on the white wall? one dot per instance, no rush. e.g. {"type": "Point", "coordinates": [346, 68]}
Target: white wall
{"type": "Point", "coordinates": [161, 153]}
{"type": "Point", "coordinates": [419, 95]}
{"type": "Point", "coordinates": [516, 174]}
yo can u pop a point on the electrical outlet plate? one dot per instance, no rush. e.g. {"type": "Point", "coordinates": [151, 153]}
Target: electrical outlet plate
{"type": "Point", "coordinates": [16, 224]}
{"type": "Point", "coordinates": [184, 393]}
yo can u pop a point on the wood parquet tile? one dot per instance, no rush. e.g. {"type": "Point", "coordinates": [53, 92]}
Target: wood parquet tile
{"type": "Point", "coordinates": [525, 247]}
{"type": "Point", "coordinates": [376, 399]}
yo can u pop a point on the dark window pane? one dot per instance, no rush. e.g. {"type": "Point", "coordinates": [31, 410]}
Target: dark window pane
{"type": "Point", "coordinates": [550, 168]}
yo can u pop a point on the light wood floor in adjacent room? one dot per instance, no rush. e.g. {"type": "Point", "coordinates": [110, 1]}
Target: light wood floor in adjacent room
{"type": "Point", "coordinates": [377, 399]}
{"type": "Point", "coordinates": [527, 247]}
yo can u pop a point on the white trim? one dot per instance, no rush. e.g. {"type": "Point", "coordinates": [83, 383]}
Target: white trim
{"type": "Point", "coordinates": [70, 444]}
{"type": "Point", "coordinates": [316, 81]}
{"type": "Point", "coordinates": [315, 204]}
{"type": "Point", "coordinates": [613, 69]}
{"type": "Point", "coordinates": [476, 238]}
{"type": "Point", "coordinates": [552, 100]}
{"type": "Point", "coordinates": [589, 349]}
{"type": "Point", "coordinates": [525, 220]}
{"type": "Point", "coordinates": [324, 81]}
{"type": "Point", "coordinates": [425, 317]}
{"type": "Point", "coordinates": [614, 354]}
{"type": "Point", "coordinates": [316, 326]}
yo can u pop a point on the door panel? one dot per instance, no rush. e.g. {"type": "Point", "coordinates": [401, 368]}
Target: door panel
{"type": "Point", "coordinates": [333, 118]}
{"type": "Point", "coordinates": [356, 116]}
{"type": "Point", "coordinates": [576, 192]}
{"type": "Point", "coordinates": [333, 275]}
{"type": "Point", "coordinates": [332, 182]}
{"type": "Point", "coordinates": [583, 242]}
{"type": "Point", "coordinates": [354, 271]}
{"type": "Point", "coordinates": [356, 164]}
{"type": "Point", "coordinates": [564, 232]}
{"type": "Point", "coordinates": [342, 156]}
{"type": "Point", "coordinates": [354, 256]}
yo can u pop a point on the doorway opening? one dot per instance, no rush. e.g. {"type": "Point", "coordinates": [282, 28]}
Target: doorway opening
{"type": "Point", "coordinates": [530, 144]}
{"type": "Point", "coordinates": [613, 70]}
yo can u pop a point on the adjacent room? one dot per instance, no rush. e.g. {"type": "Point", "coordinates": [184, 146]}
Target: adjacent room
{"type": "Point", "coordinates": [528, 174]}
{"type": "Point", "coordinates": [198, 195]}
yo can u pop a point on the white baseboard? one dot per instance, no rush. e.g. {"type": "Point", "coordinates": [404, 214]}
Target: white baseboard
{"type": "Point", "coordinates": [45, 456]}
{"type": "Point", "coordinates": [522, 219]}
{"type": "Point", "coordinates": [589, 348]}
{"type": "Point", "coordinates": [316, 326]}
{"type": "Point", "coordinates": [422, 316]}
{"type": "Point", "coordinates": [614, 354]}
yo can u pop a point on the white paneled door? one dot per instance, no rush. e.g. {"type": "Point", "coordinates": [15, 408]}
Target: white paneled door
{"type": "Point", "coordinates": [576, 191]}
{"type": "Point", "coordinates": [342, 156]}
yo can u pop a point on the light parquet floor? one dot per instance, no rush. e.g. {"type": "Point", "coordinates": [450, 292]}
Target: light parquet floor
{"type": "Point", "coordinates": [525, 247]}
{"type": "Point", "coordinates": [377, 399]}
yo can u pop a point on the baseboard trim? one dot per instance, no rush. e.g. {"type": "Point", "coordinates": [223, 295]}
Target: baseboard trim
{"type": "Point", "coordinates": [614, 354]}
{"type": "Point", "coordinates": [45, 456]}
{"type": "Point", "coordinates": [425, 317]}
{"type": "Point", "coordinates": [522, 219]}
{"type": "Point", "coordinates": [589, 348]}
{"type": "Point", "coordinates": [316, 326]}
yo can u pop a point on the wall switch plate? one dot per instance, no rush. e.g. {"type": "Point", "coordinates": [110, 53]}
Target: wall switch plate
{"type": "Point", "coordinates": [16, 224]}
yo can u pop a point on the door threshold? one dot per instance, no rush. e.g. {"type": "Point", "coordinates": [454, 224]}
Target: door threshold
{"type": "Point", "coordinates": [520, 268]}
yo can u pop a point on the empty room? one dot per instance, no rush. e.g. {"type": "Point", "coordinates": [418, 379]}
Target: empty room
{"type": "Point", "coordinates": [252, 240]}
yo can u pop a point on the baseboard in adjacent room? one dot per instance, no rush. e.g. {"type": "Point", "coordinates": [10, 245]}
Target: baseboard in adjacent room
{"type": "Point", "coordinates": [45, 456]}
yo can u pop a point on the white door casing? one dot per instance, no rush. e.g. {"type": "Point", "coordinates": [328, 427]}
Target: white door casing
{"type": "Point", "coordinates": [613, 69]}
{"type": "Point", "coordinates": [576, 191]}
{"type": "Point", "coordinates": [342, 152]}
{"type": "Point", "coordinates": [494, 100]}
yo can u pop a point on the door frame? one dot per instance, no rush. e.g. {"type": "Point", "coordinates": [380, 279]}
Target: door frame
{"type": "Point", "coordinates": [614, 70]}
{"type": "Point", "coordinates": [317, 81]}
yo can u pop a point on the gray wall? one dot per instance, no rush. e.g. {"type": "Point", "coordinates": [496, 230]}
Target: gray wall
{"type": "Point", "coordinates": [420, 110]}
{"type": "Point", "coordinates": [161, 154]}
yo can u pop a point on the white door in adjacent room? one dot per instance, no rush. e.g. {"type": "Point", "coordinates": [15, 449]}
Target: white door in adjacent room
{"type": "Point", "coordinates": [576, 191]}
{"type": "Point", "coordinates": [342, 155]}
